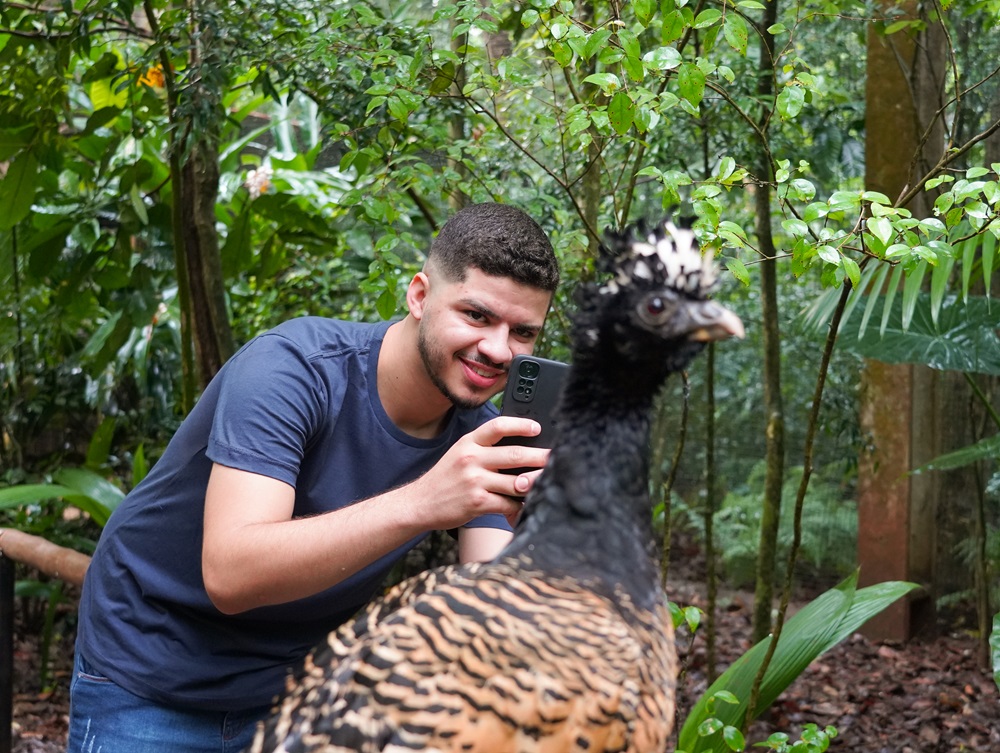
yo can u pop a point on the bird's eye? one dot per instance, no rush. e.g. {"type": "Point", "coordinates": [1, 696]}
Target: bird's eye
{"type": "Point", "coordinates": [656, 309]}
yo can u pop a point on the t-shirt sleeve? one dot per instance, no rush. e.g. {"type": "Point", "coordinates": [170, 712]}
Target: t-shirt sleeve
{"type": "Point", "coordinates": [271, 404]}
{"type": "Point", "coordinates": [491, 520]}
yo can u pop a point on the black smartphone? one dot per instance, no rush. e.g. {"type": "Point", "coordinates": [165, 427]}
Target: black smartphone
{"type": "Point", "coordinates": [533, 389]}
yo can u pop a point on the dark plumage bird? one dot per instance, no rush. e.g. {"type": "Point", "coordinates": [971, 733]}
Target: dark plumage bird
{"type": "Point", "coordinates": [563, 642]}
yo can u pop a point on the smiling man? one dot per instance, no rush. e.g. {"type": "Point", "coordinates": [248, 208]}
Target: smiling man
{"type": "Point", "coordinates": [319, 455]}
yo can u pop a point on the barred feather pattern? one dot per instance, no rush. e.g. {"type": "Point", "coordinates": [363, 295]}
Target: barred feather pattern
{"type": "Point", "coordinates": [495, 657]}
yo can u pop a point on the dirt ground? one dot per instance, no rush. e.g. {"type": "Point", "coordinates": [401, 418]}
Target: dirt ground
{"type": "Point", "coordinates": [927, 696]}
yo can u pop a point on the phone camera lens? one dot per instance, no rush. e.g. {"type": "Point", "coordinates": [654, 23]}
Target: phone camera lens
{"type": "Point", "coordinates": [528, 369]}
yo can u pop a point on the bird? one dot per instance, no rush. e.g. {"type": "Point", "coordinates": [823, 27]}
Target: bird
{"type": "Point", "coordinates": [564, 641]}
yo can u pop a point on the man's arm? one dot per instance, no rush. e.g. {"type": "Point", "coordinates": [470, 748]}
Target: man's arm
{"type": "Point", "coordinates": [255, 553]}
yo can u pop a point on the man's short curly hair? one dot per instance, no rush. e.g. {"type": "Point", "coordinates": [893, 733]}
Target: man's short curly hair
{"type": "Point", "coordinates": [499, 240]}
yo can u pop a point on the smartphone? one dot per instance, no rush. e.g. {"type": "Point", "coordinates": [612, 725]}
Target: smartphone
{"type": "Point", "coordinates": [533, 389]}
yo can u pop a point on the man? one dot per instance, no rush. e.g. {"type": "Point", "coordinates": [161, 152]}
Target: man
{"type": "Point", "coordinates": [318, 456]}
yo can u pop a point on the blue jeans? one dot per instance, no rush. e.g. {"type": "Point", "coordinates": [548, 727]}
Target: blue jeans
{"type": "Point", "coordinates": [106, 718]}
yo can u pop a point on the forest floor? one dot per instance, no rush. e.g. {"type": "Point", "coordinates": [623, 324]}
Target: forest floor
{"type": "Point", "coordinates": [925, 696]}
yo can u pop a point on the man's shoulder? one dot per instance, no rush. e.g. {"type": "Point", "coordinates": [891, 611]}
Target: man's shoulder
{"type": "Point", "coordinates": [318, 335]}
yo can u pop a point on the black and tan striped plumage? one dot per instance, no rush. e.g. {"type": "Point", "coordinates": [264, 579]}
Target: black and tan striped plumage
{"type": "Point", "coordinates": [563, 643]}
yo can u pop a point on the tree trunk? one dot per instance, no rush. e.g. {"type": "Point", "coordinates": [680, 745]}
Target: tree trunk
{"type": "Point", "coordinates": [896, 511]}
{"type": "Point", "coordinates": [210, 327]}
{"type": "Point", "coordinates": [773, 407]}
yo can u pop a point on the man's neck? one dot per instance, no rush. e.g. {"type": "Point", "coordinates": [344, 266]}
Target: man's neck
{"type": "Point", "coordinates": [408, 396]}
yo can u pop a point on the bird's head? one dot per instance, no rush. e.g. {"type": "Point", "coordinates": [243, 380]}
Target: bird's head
{"type": "Point", "coordinates": [654, 303]}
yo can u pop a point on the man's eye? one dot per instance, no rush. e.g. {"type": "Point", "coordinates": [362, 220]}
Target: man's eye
{"type": "Point", "coordinates": [476, 316]}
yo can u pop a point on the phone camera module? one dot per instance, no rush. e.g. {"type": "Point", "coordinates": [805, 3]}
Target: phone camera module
{"type": "Point", "coordinates": [528, 369]}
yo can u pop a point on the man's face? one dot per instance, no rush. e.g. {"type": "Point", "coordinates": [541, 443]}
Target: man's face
{"type": "Point", "coordinates": [470, 330]}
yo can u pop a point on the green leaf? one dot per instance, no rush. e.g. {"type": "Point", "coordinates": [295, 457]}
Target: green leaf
{"type": "Point", "coordinates": [140, 466]}
{"type": "Point", "coordinates": [873, 291]}
{"type": "Point", "coordinates": [911, 290]}
{"type": "Point", "coordinates": [881, 228]}
{"type": "Point", "coordinates": [984, 449]}
{"type": "Point", "coordinates": [621, 112]}
{"type": "Point", "coordinates": [662, 58]}
{"type": "Point", "coordinates": [30, 494]}
{"type": "Point", "coordinates": [816, 628]}
{"type": "Point", "coordinates": [968, 251]}
{"type": "Point", "coordinates": [608, 82]}
{"type": "Point", "coordinates": [691, 82]}
{"type": "Point", "coordinates": [790, 101]}
{"type": "Point", "coordinates": [92, 486]}
{"type": "Point", "coordinates": [707, 18]}
{"type": "Point", "coordinates": [386, 304]}
{"type": "Point", "coordinates": [734, 738]}
{"type": "Point", "coordinates": [964, 338]}
{"type": "Point", "coordinates": [890, 294]}
{"type": "Point", "coordinates": [939, 285]}
{"type": "Point", "coordinates": [17, 190]}
{"type": "Point", "coordinates": [739, 270]}
{"type": "Point", "coordinates": [644, 10]}
{"type": "Point", "coordinates": [852, 270]}
{"type": "Point", "coordinates": [100, 443]}
{"type": "Point", "coordinates": [989, 255]}
{"type": "Point", "coordinates": [735, 31]}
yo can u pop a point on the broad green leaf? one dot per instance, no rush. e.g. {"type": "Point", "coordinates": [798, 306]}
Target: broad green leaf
{"type": "Point", "coordinates": [30, 494]}
{"type": "Point", "coordinates": [691, 82]}
{"type": "Point", "coordinates": [911, 289]}
{"type": "Point", "coordinates": [939, 285]}
{"type": "Point", "coordinates": [621, 111]}
{"type": "Point", "coordinates": [644, 10]}
{"type": "Point", "coordinates": [816, 628]}
{"type": "Point", "coordinates": [386, 304]}
{"type": "Point", "coordinates": [707, 18]}
{"type": "Point", "coordinates": [106, 93]}
{"type": "Point", "coordinates": [984, 449]}
{"type": "Point", "coordinates": [739, 270]}
{"type": "Point", "coordinates": [989, 255]}
{"type": "Point", "coordinates": [735, 31]}
{"type": "Point", "coordinates": [734, 738]}
{"type": "Point", "coordinates": [629, 43]}
{"type": "Point", "coordinates": [852, 271]}
{"type": "Point", "coordinates": [790, 101]}
{"type": "Point", "coordinates": [100, 443]}
{"type": "Point", "coordinates": [964, 338]}
{"type": "Point", "coordinates": [140, 466]}
{"type": "Point", "coordinates": [890, 294]}
{"type": "Point", "coordinates": [608, 82]}
{"type": "Point", "coordinates": [91, 485]}
{"type": "Point", "coordinates": [17, 190]}
{"type": "Point", "coordinates": [662, 58]}
{"type": "Point", "coordinates": [969, 248]}
{"type": "Point", "coordinates": [881, 228]}
{"type": "Point", "coordinates": [873, 297]}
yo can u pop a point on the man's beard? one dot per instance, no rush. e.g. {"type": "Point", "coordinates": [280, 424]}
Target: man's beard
{"type": "Point", "coordinates": [435, 364]}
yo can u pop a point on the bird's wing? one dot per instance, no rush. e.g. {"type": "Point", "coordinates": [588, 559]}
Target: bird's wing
{"type": "Point", "coordinates": [495, 664]}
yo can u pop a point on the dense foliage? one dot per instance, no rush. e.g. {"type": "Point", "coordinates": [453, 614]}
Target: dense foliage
{"type": "Point", "coordinates": [318, 146]}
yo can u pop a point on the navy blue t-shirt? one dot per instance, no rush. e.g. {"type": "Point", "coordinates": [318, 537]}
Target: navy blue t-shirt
{"type": "Point", "coordinates": [299, 404]}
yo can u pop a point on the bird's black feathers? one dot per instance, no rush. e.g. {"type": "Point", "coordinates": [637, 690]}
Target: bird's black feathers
{"type": "Point", "coordinates": [563, 642]}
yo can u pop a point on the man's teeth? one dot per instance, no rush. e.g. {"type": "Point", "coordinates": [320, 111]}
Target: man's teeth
{"type": "Point", "coordinates": [486, 374]}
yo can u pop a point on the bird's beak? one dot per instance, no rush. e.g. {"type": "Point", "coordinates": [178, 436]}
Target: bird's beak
{"type": "Point", "coordinates": [709, 322]}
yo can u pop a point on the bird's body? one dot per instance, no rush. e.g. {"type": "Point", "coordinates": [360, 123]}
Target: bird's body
{"type": "Point", "coordinates": [563, 642]}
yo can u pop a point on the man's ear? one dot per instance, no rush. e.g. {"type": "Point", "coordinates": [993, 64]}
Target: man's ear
{"type": "Point", "coordinates": [417, 293]}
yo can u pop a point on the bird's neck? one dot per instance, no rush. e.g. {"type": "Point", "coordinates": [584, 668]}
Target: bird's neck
{"type": "Point", "coordinates": [589, 514]}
